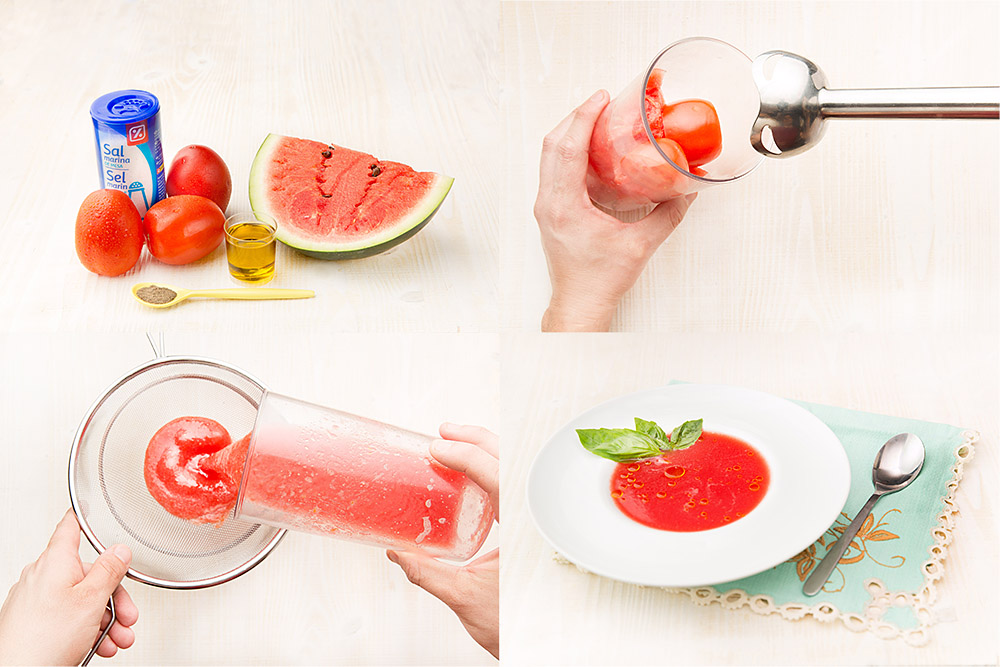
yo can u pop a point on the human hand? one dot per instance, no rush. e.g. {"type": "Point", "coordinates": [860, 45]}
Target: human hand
{"type": "Point", "coordinates": [593, 258]}
{"type": "Point", "coordinates": [56, 610]}
{"type": "Point", "coordinates": [472, 590]}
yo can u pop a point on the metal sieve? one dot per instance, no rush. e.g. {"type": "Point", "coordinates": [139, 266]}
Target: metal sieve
{"type": "Point", "coordinates": [108, 490]}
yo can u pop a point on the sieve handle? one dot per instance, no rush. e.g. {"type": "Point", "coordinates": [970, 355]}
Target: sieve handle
{"type": "Point", "coordinates": [111, 608]}
{"type": "Point", "coordinates": [158, 348]}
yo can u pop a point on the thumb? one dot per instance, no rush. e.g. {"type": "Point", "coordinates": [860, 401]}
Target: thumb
{"type": "Point", "coordinates": [432, 575]}
{"type": "Point", "coordinates": [108, 571]}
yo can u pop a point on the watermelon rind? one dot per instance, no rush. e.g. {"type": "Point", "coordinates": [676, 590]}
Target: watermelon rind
{"type": "Point", "coordinates": [418, 217]}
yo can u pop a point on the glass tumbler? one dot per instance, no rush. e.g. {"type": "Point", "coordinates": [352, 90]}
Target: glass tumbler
{"type": "Point", "coordinates": [319, 470]}
{"type": "Point", "coordinates": [681, 126]}
{"type": "Point", "coordinates": [251, 247]}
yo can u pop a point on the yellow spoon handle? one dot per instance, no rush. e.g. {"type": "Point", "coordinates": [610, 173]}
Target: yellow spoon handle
{"type": "Point", "coordinates": [253, 294]}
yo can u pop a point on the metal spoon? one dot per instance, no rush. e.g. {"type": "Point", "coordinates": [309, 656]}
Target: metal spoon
{"type": "Point", "coordinates": [897, 464]}
{"type": "Point", "coordinates": [795, 102]}
{"type": "Point", "coordinates": [154, 292]}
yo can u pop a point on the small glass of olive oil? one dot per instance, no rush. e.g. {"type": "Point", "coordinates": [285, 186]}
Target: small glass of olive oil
{"type": "Point", "coordinates": [250, 247]}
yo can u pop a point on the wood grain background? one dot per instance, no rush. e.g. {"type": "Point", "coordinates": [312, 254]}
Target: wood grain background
{"type": "Point", "coordinates": [884, 226]}
{"type": "Point", "coordinates": [861, 274]}
{"type": "Point", "coordinates": [414, 82]}
{"type": "Point", "coordinates": [314, 600]}
{"type": "Point", "coordinates": [554, 614]}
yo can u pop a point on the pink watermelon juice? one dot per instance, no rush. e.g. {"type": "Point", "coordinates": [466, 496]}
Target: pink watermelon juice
{"type": "Point", "coordinates": [318, 470]}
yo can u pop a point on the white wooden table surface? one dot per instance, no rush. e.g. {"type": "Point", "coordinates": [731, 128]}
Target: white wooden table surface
{"type": "Point", "coordinates": [552, 613]}
{"type": "Point", "coordinates": [885, 225]}
{"type": "Point", "coordinates": [413, 82]}
{"type": "Point", "coordinates": [314, 600]}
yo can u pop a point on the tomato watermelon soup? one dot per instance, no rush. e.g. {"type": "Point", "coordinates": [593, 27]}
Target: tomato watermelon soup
{"type": "Point", "coordinates": [313, 469]}
{"type": "Point", "coordinates": [626, 170]}
{"type": "Point", "coordinates": [192, 468]}
{"type": "Point", "coordinates": [717, 481]}
{"type": "Point", "coordinates": [323, 471]}
{"type": "Point", "coordinates": [373, 496]}
{"type": "Point", "coordinates": [333, 202]}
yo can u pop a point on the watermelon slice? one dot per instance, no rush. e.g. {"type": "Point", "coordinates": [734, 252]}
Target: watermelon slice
{"type": "Point", "coordinates": [332, 202]}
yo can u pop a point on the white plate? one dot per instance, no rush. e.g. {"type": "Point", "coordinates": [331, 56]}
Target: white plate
{"type": "Point", "coordinates": [570, 502]}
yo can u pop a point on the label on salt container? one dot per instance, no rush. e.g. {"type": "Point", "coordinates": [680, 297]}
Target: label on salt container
{"type": "Point", "coordinates": [129, 152]}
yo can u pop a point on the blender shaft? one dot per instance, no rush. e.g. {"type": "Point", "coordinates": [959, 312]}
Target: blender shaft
{"type": "Point", "coordinates": [975, 102]}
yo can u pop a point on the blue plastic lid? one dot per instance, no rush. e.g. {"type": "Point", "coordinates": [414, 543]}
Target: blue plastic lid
{"type": "Point", "coordinates": [124, 106]}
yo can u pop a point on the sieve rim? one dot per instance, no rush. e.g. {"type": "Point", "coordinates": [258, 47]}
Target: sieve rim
{"type": "Point", "coordinates": [96, 543]}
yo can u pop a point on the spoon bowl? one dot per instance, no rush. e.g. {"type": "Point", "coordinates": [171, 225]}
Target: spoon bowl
{"type": "Point", "coordinates": [897, 463]}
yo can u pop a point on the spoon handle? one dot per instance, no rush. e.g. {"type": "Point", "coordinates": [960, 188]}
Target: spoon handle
{"type": "Point", "coordinates": [822, 572]}
{"type": "Point", "coordinates": [253, 294]}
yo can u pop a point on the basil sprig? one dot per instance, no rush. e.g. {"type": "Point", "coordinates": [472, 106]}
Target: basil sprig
{"type": "Point", "coordinates": [647, 440]}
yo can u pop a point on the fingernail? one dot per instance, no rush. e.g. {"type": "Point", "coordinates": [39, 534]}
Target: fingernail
{"type": "Point", "coordinates": [391, 555]}
{"type": "Point", "coordinates": [691, 197]}
{"type": "Point", "coordinates": [441, 447]}
{"type": "Point", "coordinates": [598, 96]}
{"type": "Point", "coordinates": [448, 425]}
{"type": "Point", "coordinates": [122, 553]}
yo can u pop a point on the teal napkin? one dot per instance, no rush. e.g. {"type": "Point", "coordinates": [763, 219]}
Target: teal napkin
{"type": "Point", "coordinates": [885, 580]}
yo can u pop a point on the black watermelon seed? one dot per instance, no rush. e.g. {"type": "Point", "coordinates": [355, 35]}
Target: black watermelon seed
{"type": "Point", "coordinates": [326, 153]}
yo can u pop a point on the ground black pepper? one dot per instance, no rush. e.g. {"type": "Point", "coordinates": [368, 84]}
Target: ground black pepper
{"type": "Point", "coordinates": [155, 294]}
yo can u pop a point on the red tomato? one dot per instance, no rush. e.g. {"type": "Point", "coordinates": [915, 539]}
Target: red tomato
{"type": "Point", "coordinates": [646, 174]}
{"type": "Point", "coordinates": [694, 124]}
{"type": "Point", "coordinates": [181, 470]}
{"type": "Point", "coordinates": [108, 233]}
{"type": "Point", "coordinates": [184, 228]}
{"type": "Point", "coordinates": [198, 170]}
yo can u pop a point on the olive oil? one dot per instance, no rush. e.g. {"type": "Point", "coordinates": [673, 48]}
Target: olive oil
{"type": "Point", "coordinates": [250, 249]}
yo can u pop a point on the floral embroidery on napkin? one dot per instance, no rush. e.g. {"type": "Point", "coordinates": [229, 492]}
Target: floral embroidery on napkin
{"type": "Point", "coordinates": [858, 550]}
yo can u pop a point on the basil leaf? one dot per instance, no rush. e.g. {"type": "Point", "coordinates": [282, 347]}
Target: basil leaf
{"type": "Point", "coordinates": [686, 434]}
{"type": "Point", "coordinates": [653, 430]}
{"type": "Point", "coordinates": [618, 444]}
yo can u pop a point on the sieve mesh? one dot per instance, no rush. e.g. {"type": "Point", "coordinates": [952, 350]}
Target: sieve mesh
{"type": "Point", "coordinates": [108, 490]}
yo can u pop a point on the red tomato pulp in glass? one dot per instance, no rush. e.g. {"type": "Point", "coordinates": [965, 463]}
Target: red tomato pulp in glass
{"type": "Point", "coordinates": [625, 169]}
{"type": "Point", "coordinates": [366, 494]}
{"type": "Point", "coordinates": [716, 481]}
{"type": "Point", "coordinates": [693, 124]}
{"type": "Point", "coordinates": [193, 469]}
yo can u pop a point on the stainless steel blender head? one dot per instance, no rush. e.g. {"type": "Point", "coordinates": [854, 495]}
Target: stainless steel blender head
{"type": "Point", "coordinates": [107, 485]}
{"type": "Point", "coordinates": [795, 103]}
